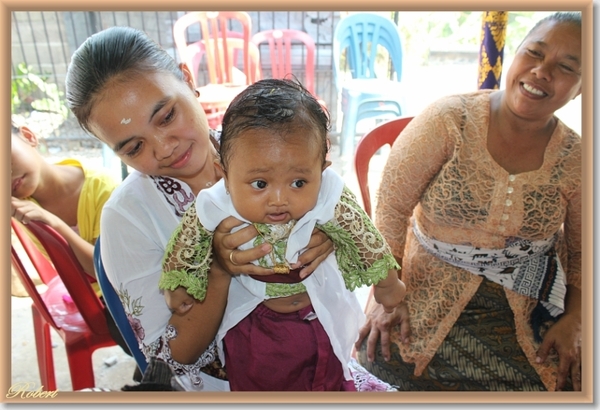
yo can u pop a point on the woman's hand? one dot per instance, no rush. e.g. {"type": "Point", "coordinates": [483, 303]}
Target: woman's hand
{"type": "Point", "coordinates": [318, 249]}
{"type": "Point", "coordinates": [565, 338]}
{"type": "Point", "coordinates": [379, 324]}
{"type": "Point", "coordinates": [233, 260]}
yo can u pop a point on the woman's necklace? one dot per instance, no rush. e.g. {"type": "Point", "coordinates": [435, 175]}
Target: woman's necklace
{"type": "Point", "coordinates": [272, 234]}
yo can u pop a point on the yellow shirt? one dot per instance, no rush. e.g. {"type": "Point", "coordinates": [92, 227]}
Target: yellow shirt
{"type": "Point", "coordinates": [97, 188]}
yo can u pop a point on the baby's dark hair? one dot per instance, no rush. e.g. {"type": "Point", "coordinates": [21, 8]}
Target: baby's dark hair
{"type": "Point", "coordinates": [278, 106]}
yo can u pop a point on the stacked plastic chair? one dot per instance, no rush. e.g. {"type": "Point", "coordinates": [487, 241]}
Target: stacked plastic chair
{"type": "Point", "coordinates": [359, 41]}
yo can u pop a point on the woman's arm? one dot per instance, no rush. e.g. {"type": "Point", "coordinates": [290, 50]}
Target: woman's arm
{"type": "Point", "coordinates": [198, 327]}
{"type": "Point", "coordinates": [565, 335]}
{"type": "Point", "coordinates": [416, 157]}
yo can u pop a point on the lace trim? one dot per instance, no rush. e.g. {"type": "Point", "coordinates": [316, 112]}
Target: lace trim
{"type": "Point", "coordinates": [365, 381]}
{"type": "Point", "coordinates": [363, 256]}
{"type": "Point", "coordinates": [161, 350]}
{"type": "Point", "coordinates": [188, 257]}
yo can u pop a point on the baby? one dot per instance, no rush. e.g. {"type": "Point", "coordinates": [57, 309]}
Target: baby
{"type": "Point", "coordinates": [283, 332]}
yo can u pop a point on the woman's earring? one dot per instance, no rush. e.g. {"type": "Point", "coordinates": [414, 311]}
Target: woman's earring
{"type": "Point", "coordinates": [197, 93]}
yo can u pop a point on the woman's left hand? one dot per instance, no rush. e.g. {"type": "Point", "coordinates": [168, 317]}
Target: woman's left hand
{"type": "Point", "coordinates": [318, 249]}
{"type": "Point", "coordinates": [564, 337]}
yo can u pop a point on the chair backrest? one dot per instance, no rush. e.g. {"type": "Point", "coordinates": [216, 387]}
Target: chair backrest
{"type": "Point", "coordinates": [369, 144]}
{"type": "Point", "coordinates": [215, 29]}
{"type": "Point", "coordinates": [40, 262]}
{"type": "Point", "coordinates": [357, 37]}
{"type": "Point", "coordinates": [115, 307]}
{"type": "Point", "coordinates": [43, 268]}
{"type": "Point", "coordinates": [281, 44]}
{"type": "Point", "coordinates": [76, 281]}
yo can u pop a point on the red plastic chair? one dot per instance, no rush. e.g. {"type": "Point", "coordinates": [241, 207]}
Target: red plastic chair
{"type": "Point", "coordinates": [220, 46]}
{"type": "Point", "coordinates": [69, 305]}
{"type": "Point", "coordinates": [281, 44]}
{"type": "Point", "coordinates": [369, 144]}
{"type": "Point", "coordinates": [215, 29]}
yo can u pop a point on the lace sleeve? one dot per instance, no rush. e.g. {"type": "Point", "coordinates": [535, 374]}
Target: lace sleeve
{"type": "Point", "coordinates": [363, 256]}
{"type": "Point", "coordinates": [188, 256]}
{"type": "Point", "coordinates": [417, 155]}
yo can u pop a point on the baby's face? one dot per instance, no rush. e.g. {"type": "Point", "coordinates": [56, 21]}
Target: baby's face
{"type": "Point", "coordinates": [272, 179]}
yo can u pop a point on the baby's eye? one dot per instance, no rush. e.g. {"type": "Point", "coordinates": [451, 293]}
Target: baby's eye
{"type": "Point", "coordinates": [299, 183]}
{"type": "Point", "coordinates": [259, 184]}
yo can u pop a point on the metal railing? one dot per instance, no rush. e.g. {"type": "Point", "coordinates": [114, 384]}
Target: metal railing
{"type": "Point", "coordinates": [43, 42]}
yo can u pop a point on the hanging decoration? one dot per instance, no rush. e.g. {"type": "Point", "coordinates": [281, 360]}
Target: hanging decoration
{"type": "Point", "coordinates": [491, 53]}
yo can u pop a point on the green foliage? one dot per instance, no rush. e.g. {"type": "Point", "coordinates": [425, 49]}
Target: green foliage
{"type": "Point", "coordinates": [30, 91]}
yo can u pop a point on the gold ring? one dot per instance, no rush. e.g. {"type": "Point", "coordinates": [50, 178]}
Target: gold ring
{"type": "Point", "coordinates": [231, 259]}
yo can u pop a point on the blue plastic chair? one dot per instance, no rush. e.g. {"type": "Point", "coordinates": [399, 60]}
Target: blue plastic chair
{"type": "Point", "coordinates": [115, 307]}
{"type": "Point", "coordinates": [364, 95]}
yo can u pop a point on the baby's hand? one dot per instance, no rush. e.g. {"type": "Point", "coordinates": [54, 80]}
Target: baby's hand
{"type": "Point", "coordinates": [390, 295]}
{"type": "Point", "coordinates": [178, 300]}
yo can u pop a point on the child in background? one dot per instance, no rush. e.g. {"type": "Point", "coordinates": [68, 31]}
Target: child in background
{"type": "Point", "coordinates": [67, 196]}
{"type": "Point", "coordinates": [282, 332]}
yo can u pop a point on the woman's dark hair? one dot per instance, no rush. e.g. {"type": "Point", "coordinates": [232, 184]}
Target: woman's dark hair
{"type": "Point", "coordinates": [278, 106]}
{"type": "Point", "coordinates": [568, 17]}
{"type": "Point", "coordinates": [115, 54]}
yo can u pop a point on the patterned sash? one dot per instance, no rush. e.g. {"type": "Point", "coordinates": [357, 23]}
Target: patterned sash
{"type": "Point", "coordinates": [528, 267]}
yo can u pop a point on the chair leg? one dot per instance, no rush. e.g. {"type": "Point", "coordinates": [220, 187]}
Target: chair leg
{"type": "Point", "coordinates": [43, 344]}
{"type": "Point", "coordinates": [80, 364]}
{"type": "Point", "coordinates": [348, 127]}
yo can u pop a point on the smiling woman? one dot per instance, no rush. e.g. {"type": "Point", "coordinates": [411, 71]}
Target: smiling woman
{"type": "Point", "coordinates": [482, 206]}
{"type": "Point", "coordinates": [160, 136]}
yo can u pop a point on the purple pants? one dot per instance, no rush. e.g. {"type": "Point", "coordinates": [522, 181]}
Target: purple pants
{"type": "Point", "coordinates": [270, 351]}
